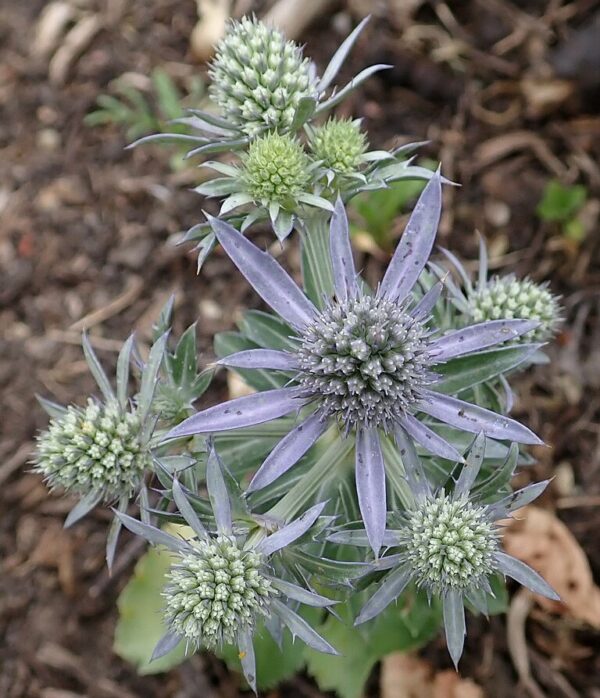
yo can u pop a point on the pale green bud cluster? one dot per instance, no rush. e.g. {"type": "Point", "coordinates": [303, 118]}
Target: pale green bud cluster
{"type": "Point", "coordinates": [505, 298]}
{"type": "Point", "coordinates": [449, 543]}
{"type": "Point", "coordinates": [93, 450]}
{"type": "Point", "coordinates": [276, 169]}
{"type": "Point", "coordinates": [215, 591]}
{"type": "Point", "coordinates": [259, 77]}
{"type": "Point", "coordinates": [339, 144]}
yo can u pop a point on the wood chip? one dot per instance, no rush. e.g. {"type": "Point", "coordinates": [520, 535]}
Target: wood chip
{"type": "Point", "coordinates": [75, 43]}
{"type": "Point", "coordinates": [408, 676]}
{"type": "Point", "coordinates": [542, 541]}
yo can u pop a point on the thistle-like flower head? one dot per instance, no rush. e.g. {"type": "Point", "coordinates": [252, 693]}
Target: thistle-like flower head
{"type": "Point", "coordinates": [259, 78]}
{"type": "Point", "coordinates": [275, 176]}
{"type": "Point", "coordinates": [99, 448]}
{"type": "Point", "coordinates": [448, 543]}
{"type": "Point", "coordinates": [102, 452]}
{"type": "Point", "coordinates": [508, 297]}
{"type": "Point", "coordinates": [364, 360]}
{"type": "Point", "coordinates": [215, 590]}
{"type": "Point", "coordinates": [276, 169]}
{"type": "Point", "coordinates": [504, 298]}
{"type": "Point", "coordinates": [224, 581]}
{"type": "Point", "coordinates": [340, 145]}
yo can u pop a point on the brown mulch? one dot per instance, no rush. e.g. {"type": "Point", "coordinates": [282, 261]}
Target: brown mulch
{"type": "Point", "coordinates": [506, 94]}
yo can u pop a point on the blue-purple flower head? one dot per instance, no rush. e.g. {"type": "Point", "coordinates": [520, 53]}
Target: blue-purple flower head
{"type": "Point", "coordinates": [223, 581]}
{"type": "Point", "coordinates": [448, 543]}
{"type": "Point", "coordinates": [366, 361]}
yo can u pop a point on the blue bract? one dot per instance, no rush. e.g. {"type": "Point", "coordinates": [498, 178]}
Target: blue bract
{"type": "Point", "coordinates": [366, 361]}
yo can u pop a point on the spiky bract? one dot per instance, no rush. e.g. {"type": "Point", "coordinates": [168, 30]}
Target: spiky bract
{"type": "Point", "coordinates": [339, 144]}
{"type": "Point", "coordinates": [276, 169]}
{"type": "Point", "coordinates": [215, 591]}
{"type": "Point", "coordinates": [449, 543]}
{"type": "Point", "coordinates": [259, 77]}
{"type": "Point", "coordinates": [508, 297]}
{"type": "Point", "coordinates": [97, 449]}
{"type": "Point", "coordinates": [364, 360]}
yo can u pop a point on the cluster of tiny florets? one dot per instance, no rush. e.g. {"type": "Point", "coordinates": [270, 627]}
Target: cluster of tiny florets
{"type": "Point", "coordinates": [364, 360]}
{"type": "Point", "coordinates": [449, 543]}
{"type": "Point", "coordinates": [276, 169]}
{"type": "Point", "coordinates": [258, 77]}
{"type": "Point", "coordinates": [96, 449]}
{"type": "Point", "coordinates": [505, 298]}
{"type": "Point", "coordinates": [214, 591]}
{"type": "Point", "coordinates": [339, 144]}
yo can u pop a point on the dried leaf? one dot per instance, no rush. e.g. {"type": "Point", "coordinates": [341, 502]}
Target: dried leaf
{"type": "Point", "coordinates": [407, 676]}
{"type": "Point", "coordinates": [542, 541]}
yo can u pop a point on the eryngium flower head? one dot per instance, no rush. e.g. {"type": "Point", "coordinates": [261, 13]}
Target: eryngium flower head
{"type": "Point", "coordinates": [363, 356]}
{"type": "Point", "coordinates": [215, 590]}
{"type": "Point", "coordinates": [95, 449]}
{"type": "Point", "coordinates": [258, 77]}
{"type": "Point", "coordinates": [365, 360]}
{"type": "Point", "coordinates": [276, 169]}
{"type": "Point", "coordinates": [503, 298]}
{"type": "Point", "coordinates": [508, 297]}
{"type": "Point", "coordinates": [448, 544]}
{"type": "Point", "coordinates": [339, 144]}
{"type": "Point", "coordinates": [224, 581]}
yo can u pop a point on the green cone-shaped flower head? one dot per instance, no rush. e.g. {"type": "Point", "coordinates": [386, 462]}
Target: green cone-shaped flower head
{"type": "Point", "coordinates": [98, 449]}
{"type": "Point", "coordinates": [259, 77]}
{"type": "Point", "coordinates": [339, 144]}
{"type": "Point", "coordinates": [450, 543]}
{"type": "Point", "coordinates": [215, 592]}
{"type": "Point", "coordinates": [366, 360]}
{"type": "Point", "coordinates": [504, 298]}
{"type": "Point", "coordinates": [276, 169]}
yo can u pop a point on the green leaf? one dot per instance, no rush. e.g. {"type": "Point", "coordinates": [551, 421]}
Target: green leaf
{"type": "Point", "coordinates": [317, 273]}
{"type": "Point", "coordinates": [561, 203]}
{"type": "Point", "coordinates": [467, 371]}
{"type": "Point", "coordinates": [227, 343]}
{"type": "Point", "coordinates": [140, 624]}
{"type": "Point", "coordinates": [267, 331]}
{"type": "Point", "coordinates": [498, 603]}
{"type": "Point", "coordinates": [272, 664]}
{"type": "Point", "coordinates": [379, 208]}
{"type": "Point", "coordinates": [401, 628]}
{"type": "Point", "coordinates": [245, 449]}
{"type": "Point", "coordinates": [165, 317]}
{"type": "Point", "coordinates": [184, 364]}
{"type": "Point", "coordinates": [169, 99]}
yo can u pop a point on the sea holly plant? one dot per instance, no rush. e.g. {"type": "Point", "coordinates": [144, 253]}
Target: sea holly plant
{"type": "Point", "coordinates": [282, 163]}
{"type": "Point", "coordinates": [447, 542]}
{"type": "Point", "coordinates": [223, 581]}
{"type": "Point", "coordinates": [101, 453]}
{"type": "Point", "coordinates": [354, 497]}
{"type": "Point", "coordinates": [366, 362]}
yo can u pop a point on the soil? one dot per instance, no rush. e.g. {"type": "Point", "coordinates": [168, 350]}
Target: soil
{"type": "Point", "coordinates": [507, 96]}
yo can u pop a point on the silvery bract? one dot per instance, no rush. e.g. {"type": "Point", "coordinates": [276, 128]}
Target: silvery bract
{"type": "Point", "coordinates": [101, 453]}
{"type": "Point", "coordinates": [223, 581]}
{"type": "Point", "coordinates": [447, 542]}
{"type": "Point", "coordinates": [366, 361]}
